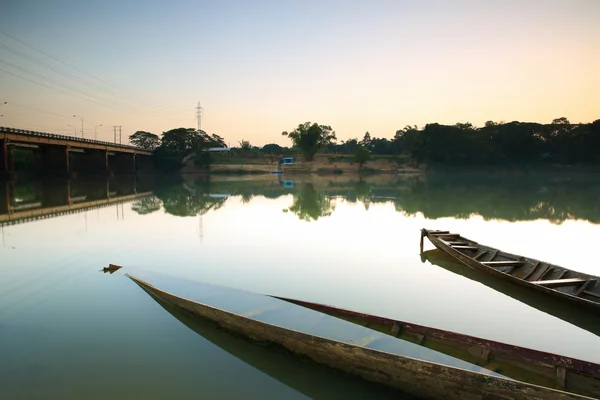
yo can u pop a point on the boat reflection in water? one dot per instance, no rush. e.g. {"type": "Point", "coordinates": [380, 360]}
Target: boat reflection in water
{"type": "Point", "coordinates": [371, 355]}
{"type": "Point", "coordinates": [312, 380]}
{"type": "Point", "coordinates": [565, 311]}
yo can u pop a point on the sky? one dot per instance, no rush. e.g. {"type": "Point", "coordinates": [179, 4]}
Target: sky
{"type": "Point", "coordinates": [262, 67]}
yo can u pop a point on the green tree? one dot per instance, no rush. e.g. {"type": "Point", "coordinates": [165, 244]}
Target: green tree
{"type": "Point", "coordinates": [203, 159]}
{"type": "Point", "coordinates": [366, 142]}
{"type": "Point", "coordinates": [245, 147]}
{"type": "Point", "coordinates": [218, 141]}
{"type": "Point", "coordinates": [145, 140]}
{"type": "Point", "coordinates": [273, 148]}
{"type": "Point", "coordinates": [310, 138]}
{"type": "Point", "coordinates": [362, 155]}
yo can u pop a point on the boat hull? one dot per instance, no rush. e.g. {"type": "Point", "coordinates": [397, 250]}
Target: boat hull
{"type": "Point", "coordinates": [416, 377]}
{"type": "Point", "coordinates": [567, 311]}
{"type": "Point", "coordinates": [523, 364]}
{"type": "Point", "coordinates": [465, 259]}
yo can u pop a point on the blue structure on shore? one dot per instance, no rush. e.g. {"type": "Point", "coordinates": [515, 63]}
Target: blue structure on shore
{"type": "Point", "coordinates": [281, 163]}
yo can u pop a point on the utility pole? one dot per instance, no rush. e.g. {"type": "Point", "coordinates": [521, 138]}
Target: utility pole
{"type": "Point", "coordinates": [199, 110]}
{"type": "Point", "coordinates": [115, 133]}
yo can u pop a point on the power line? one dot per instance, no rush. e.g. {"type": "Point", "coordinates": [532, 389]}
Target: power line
{"type": "Point", "coordinates": [63, 85]}
{"type": "Point", "coordinates": [71, 66]}
{"type": "Point", "coordinates": [58, 90]}
{"type": "Point", "coordinates": [37, 109]}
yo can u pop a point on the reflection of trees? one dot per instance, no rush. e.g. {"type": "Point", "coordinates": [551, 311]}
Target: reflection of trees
{"type": "Point", "coordinates": [310, 204]}
{"type": "Point", "coordinates": [179, 201]}
{"type": "Point", "coordinates": [26, 192]}
{"type": "Point", "coordinates": [523, 198]}
{"type": "Point", "coordinates": [146, 205]}
{"type": "Point", "coordinates": [552, 197]}
{"type": "Point", "coordinates": [363, 193]}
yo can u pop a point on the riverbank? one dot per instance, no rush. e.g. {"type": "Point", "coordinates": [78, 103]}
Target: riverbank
{"type": "Point", "coordinates": [323, 164]}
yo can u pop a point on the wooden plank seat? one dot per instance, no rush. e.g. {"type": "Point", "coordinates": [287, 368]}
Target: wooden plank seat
{"type": "Point", "coordinates": [465, 247]}
{"type": "Point", "coordinates": [501, 263]}
{"type": "Point", "coordinates": [560, 282]}
{"type": "Point", "coordinates": [587, 292]}
{"type": "Point", "coordinates": [588, 284]}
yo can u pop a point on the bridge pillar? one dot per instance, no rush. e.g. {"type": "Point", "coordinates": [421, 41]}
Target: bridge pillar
{"type": "Point", "coordinates": [55, 159]}
{"type": "Point", "coordinates": [97, 160]}
{"type": "Point", "coordinates": [5, 196]}
{"type": "Point", "coordinates": [122, 162]}
{"type": "Point", "coordinates": [7, 164]}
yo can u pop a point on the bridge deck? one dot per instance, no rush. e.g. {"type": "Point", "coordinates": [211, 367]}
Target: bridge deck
{"type": "Point", "coordinates": [42, 138]}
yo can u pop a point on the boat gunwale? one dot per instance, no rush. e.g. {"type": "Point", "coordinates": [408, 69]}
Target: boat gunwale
{"type": "Point", "coordinates": [575, 365]}
{"type": "Point", "coordinates": [476, 265]}
{"type": "Point", "coordinates": [369, 364]}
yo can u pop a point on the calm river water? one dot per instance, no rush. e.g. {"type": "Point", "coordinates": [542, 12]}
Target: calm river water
{"type": "Point", "coordinates": [68, 330]}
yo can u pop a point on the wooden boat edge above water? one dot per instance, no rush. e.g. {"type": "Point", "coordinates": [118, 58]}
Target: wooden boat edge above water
{"type": "Point", "coordinates": [536, 367]}
{"type": "Point", "coordinates": [421, 378]}
{"type": "Point", "coordinates": [569, 312]}
{"type": "Point", "coordinates": [559, 282]}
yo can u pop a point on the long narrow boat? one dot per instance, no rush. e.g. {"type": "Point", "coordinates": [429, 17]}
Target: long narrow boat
{"type": "Point", "coordinates": [420, 378]}
{"type": "Point", "coordinates": [520, 363]}
{"type": "Point", "coordinates": [559, 282]}
{"type": "Point", "coordinates": [313, 381]}
{"type": "Point", "coordinates": [566, 311]}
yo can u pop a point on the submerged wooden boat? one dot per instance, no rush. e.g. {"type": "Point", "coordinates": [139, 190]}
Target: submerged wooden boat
{"type": "Point", "coordinates": [313, 381]}
{"type": "Point", "coordinates": [559, 282]}
{"type": "Point", "coordinates": [420, 378]}
{"type": "Point", "coordinates": [566, 311]}
{"type": "Point", "coordinates": [520, 363]}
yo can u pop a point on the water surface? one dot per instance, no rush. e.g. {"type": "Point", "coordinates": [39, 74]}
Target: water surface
{"type": "Point", "coordinates": [69, 330]}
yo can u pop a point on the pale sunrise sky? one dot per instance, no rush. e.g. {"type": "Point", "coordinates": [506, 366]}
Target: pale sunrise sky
{"type": "Point", "coordinates": [262, 67]}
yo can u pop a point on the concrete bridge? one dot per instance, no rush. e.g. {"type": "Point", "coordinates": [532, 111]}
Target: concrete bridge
{"type": "Point", "coordinates": [49, 199]}
{"type": "Point", "coordinates": [59, 154]}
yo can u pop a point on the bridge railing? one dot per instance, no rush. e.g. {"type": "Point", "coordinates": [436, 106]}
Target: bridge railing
{"type": "Point", "coordinates": [66, 137]}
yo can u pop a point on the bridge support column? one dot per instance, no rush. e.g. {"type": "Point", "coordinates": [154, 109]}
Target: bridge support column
{"type": "Point", "coordinates": [7, 164]}
{"type": "Point", "coordinates": [5, 197]}
{"type": "Point", "coordinates": [97, 160]}
{"type": "Point", "coordinates": [55, 159]}
{"type": "Point", "coordinates": [122, 162]}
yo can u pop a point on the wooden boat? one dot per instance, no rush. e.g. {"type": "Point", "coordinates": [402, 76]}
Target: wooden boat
{"type": "Point", "coordinates": [566, 311]}
{"type": "Point", "coordinates": [559, 282]}
{"type": "Point", "coordinates": [520, 363]}
{"type": "Point", "coordinates": [313, 381]}
{"type": "Point", "coordinates": [420, 378]}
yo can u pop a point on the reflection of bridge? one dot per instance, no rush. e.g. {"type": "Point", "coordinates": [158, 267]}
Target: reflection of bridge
{"type": "Point", "coordinates": [63, 154]}
{"type": "Point", "coordinates": [25, 203]}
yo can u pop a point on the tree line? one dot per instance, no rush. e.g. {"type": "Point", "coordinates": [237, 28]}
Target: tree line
{"type": "Point", "coordinates": [496, 143]}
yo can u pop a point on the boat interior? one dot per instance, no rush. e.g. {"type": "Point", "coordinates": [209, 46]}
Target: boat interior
{"type": "Point", "coordinates": [526, 269]}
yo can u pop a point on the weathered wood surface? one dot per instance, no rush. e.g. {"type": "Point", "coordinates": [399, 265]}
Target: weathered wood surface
{"type": "Point", "coordinates": [520, 363]}
{"type": "Point", "coordinates": [563, 284]}
{"type": "Point", "coordinates": [567, 311]}
{"type": "Point", "coordinates": [420, 378]}
{"type": "Point", "coordinates": [310, 380]}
